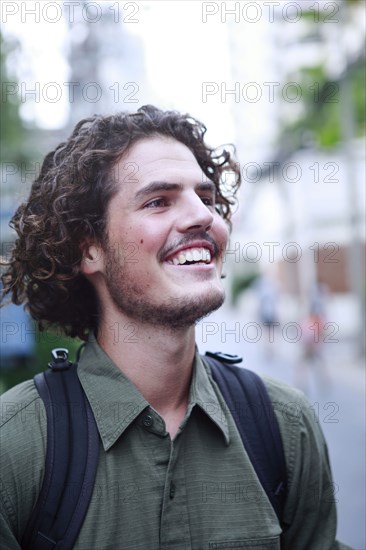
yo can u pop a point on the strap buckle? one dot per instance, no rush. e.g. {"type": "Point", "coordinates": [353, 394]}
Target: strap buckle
{"type": "Point", "coordinates": [225, 357]}
{"type": "Point", "coordinates": [60, 359]}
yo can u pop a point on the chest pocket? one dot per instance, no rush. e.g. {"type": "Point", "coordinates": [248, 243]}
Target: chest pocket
{"type": "Point", "coordinates": [272, 543]}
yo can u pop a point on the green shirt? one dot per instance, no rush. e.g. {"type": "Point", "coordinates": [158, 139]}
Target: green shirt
{"type": "Point", "coordinates": [197, 492]}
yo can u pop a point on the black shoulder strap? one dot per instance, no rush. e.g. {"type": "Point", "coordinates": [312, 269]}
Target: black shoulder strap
{"type": "Point", "coordinates": [71, 462]}
{"type": "Point", "coordinates": [248, 401]}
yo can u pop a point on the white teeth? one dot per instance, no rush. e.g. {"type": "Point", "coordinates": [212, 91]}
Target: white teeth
{"type": "Point", "coordinates": [191, 255]}
{"type": "Point", "coordinates": [197, 255]}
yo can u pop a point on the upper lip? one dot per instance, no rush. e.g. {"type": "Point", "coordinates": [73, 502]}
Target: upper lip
{"type": "Point", "coordinates": [192, 244]}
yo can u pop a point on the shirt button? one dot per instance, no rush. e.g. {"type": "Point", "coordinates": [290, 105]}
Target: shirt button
{"type": "Point", "coordinates": [147, 420]}
{"type": "Point", "coordinates": [172, 490]}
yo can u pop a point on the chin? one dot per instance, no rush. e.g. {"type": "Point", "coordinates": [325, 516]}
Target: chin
{"type": "Point", "coordinates": [208, 311]}
{"type": "Point", "coordinates": [186, 311]}
{"type": "Point", "coordinates": [206, 304]}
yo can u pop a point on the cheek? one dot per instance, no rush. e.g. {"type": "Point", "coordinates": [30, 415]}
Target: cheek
{"type": "Point", "coordinates": [149, 238]}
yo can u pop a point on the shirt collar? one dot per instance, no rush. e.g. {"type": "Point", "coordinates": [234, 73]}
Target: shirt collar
{"type": "Point", "coordinates": [116, 401]}
{"type": "Point", "coordinates": [205, 394]}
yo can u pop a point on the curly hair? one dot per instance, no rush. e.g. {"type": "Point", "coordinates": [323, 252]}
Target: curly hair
{"type": "Point", "coordinates": [67, 207]}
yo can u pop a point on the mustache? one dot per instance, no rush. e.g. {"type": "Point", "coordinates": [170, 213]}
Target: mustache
{"type": "Point", "coordinates": [187, 240]}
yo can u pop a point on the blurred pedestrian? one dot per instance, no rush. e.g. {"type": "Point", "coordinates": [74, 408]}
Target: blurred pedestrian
{"type": "Point", "coordinates": [312, 361]}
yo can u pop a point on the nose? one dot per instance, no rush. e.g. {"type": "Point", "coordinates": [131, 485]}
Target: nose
{"type": "Point", "coordinates": [194, 215]}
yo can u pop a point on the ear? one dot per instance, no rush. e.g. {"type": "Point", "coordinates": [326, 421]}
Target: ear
{"type": "Point", "coordinates": [92, 260]}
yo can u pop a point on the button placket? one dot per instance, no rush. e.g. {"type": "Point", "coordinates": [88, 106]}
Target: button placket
{"type": "Point", "coordinates": [147, 420]}
{"type": "Point", "coordinates": [174, 525]}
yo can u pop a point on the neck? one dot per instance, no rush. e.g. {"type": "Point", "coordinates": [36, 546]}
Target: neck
{"type": "Point", "coordinates": [156, 359]}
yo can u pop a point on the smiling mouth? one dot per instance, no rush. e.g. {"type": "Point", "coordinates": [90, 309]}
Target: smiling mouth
{"type": "Point", "coordinates": [191, 256]}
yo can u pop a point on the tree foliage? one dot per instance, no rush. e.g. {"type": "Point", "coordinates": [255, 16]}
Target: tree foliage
{"type": "Point", "coordinates": [320, 109]}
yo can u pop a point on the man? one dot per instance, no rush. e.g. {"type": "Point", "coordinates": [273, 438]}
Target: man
{"type": "Point", "coordinates": [121, 243]}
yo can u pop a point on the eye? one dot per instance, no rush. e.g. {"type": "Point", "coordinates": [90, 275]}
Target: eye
{"type": "Point", "coordinates": [208, 201]}
{"type": "Point", "coordinates": [157, 203]}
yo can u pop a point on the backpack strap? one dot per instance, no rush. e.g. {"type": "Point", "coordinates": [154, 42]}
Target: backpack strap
{"type": "Point", "coordinates": [249, 403]}
{"type": "Point", "coordinates": [71, 460]}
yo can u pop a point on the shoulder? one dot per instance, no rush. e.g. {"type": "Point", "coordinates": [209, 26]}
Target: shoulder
{"type": "Point", "coordinates": [303, 440]}
{"type": "Point", "coordinates": [22, 413]}
{"type": "Point", "coordinates": [23, 421]}
{"type": "Point", "coordinates": [286, 398]}
{"type": "Point", "coordinates": [290, 405]}
{"type": "Point", "coordinates": [23, 433]}
{"type": "Point", "coordinates": [15, 400]}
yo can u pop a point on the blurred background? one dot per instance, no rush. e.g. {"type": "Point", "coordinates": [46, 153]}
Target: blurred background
{"type": "Point", "coordinates": [284, 82]}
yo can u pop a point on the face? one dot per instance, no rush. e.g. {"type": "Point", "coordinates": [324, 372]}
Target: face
{"type": "Point", "coordinates": [163, 257]}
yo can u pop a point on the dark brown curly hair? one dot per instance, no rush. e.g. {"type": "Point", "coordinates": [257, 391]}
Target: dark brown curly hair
{"type": "Point", "coordinates": [67, 207]}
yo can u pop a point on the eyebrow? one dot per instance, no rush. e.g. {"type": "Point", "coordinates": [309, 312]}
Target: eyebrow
{"type": "Point", "coordinates": [158, 186]}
